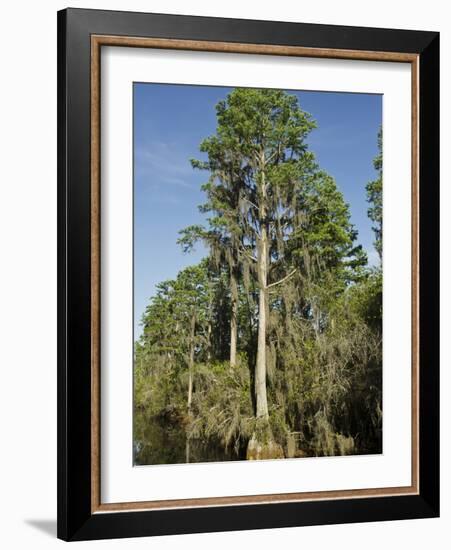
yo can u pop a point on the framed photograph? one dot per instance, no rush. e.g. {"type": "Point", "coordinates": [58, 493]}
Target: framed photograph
{"type": "Point", "coordinates": [248, 274]}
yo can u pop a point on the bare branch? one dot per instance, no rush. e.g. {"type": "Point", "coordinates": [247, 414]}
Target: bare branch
{"type": "Point", "coordinates": [276, 153]}
{"type": "Point", "coordinates": [250, 202]}
{"type": "Point", "coordinates": [283, 279]}
{"type": "Point", "coordinates": [249, 256]}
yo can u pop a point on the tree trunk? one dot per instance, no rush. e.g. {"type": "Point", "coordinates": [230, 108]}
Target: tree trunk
{"type": "Point", "coordinates": [260, 367]}
{"type": "Point", "coordinates": [190, 383]}
{"type": "Point", "coordinates": [187, 450]}
{"type": "Point", "coordinates": [209, 341]}
{"type": "Point", "coordinates": [262, 266]}
{"type": "Point", "coordinates": [233, 316]}
{"type": "Point", "coordinates": [191, 363]}
{"type": "Point", "coordinates": [262, 445]}
{"type": "Point", "coordinates": [210, 315]}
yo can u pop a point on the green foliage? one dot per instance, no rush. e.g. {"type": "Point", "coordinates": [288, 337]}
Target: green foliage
{"type": "Point", "coordinates": [323, 308]}
{"type": "Point", "coordinates": [222, 407]}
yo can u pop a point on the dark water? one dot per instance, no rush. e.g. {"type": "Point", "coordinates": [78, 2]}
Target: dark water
{"type": "Point", "coordinates": [157, 442]}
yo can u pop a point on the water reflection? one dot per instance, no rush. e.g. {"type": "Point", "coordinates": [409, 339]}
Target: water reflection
{"type": "Point", "coordinates": [157, 441]}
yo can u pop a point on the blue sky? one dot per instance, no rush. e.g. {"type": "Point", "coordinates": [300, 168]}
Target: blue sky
{"type": "Point", "coordinates": [171, 120]}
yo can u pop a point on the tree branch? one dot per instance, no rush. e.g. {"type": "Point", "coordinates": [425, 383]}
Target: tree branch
{"type": "Point", "coordinates": [283, 279]}
{"type": "Point", "coordinates": [277, 152]}
{"type": "Point", "coordinates": [249, 256]}
{"type": "Point", "coordinates": [250, 202]}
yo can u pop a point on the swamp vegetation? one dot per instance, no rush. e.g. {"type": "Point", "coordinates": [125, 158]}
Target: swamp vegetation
{"type": "Point", "coordinates": [271, 346]}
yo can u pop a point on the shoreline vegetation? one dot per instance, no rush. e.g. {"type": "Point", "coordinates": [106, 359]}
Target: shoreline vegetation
{"type": "Point", "coordinates": [271, 346]}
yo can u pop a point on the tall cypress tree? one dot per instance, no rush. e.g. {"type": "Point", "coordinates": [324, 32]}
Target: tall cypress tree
{"type": "Point", "coordinates": [265, 189]}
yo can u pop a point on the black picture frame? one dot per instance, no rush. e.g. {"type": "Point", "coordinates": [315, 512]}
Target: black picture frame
{"type": "Point", "coordinates": [75, 518]}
